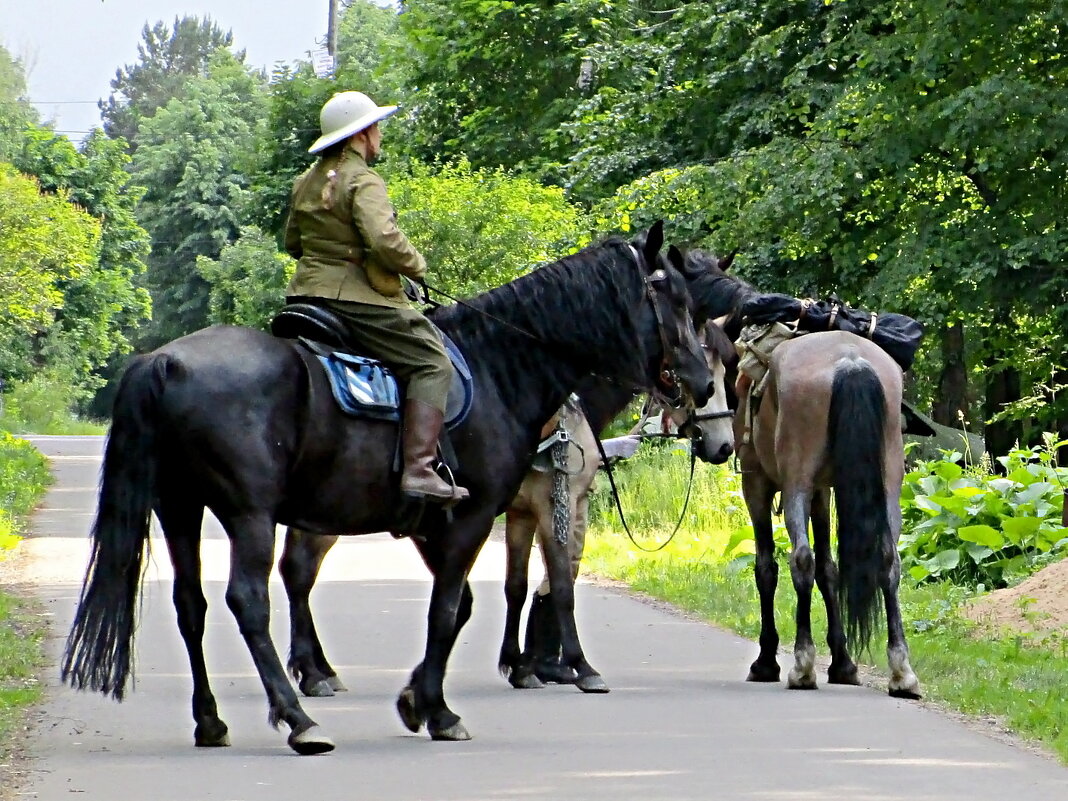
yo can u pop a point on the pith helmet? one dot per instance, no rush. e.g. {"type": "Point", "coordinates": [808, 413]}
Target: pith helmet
{"type": "Point", "coordinates": [345, 114]}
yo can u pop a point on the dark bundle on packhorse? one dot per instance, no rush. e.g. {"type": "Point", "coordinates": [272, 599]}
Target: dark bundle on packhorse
{"type": "Point", "coordinates": [244, 423]}
{"type": "Point", "coordinates": [553, 650]}
{"type": "Point", "coordinates": [829, 419]}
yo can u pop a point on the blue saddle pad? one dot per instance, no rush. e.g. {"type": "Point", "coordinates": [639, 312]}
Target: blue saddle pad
{"type": "Point", "coordinates": [365, 387]}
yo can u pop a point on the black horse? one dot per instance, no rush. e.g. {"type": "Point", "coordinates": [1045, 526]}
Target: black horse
{"type": "Point", "coordinates": [235, 420]}
{"type": "Point", "coordinates": [715, 295]}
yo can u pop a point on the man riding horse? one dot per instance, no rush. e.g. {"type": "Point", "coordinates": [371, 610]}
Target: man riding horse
{"type": "Point", "coordinates": [351, 256]}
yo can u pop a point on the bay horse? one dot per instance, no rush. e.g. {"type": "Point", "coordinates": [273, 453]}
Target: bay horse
{"type": "Point", "coordinates": [243, 423]}
{"type": "Point", "coordinates": [530, 510]}
{"type": "Point", "coordinates": [830, 419]}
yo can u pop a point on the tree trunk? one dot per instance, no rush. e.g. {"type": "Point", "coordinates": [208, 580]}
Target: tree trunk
{"type": "Point", "coordinates": [952, 398]}
{"type": "Point", "coordinates": [1001, 388]}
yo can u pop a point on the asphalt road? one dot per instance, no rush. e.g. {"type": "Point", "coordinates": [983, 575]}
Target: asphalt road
{"type": "Point", "coordinates": [680, 722]}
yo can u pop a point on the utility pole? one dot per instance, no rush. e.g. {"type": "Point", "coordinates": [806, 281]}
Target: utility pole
{"type": "Point", "coordinates": [331, 30]}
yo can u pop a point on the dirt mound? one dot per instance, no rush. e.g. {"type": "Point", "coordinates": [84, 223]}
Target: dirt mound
{"type": "Point", "coordinates": [1038, 604]}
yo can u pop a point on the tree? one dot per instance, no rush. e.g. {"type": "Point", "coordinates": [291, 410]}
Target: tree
{"type": "Point", "coordinates": [101, 307]}
{"type": "Point", "coordinates": [248, 281]}
{"type": "Point", "coordinates": [479, 229]}
{"type": "Point", "coordinates": [194, 157]}
{"type": "Point", "coordinates": [493, 79]}
{"type": "Point", "coordinates": [45, 244]}
{"type": "Point", "coordinates": [16, 111]}
{"type": "Point", "coordinates": [167, 58]}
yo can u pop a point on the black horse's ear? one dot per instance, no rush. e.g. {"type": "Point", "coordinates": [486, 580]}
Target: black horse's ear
{"type": "Point", "coordinates": [654, 240]}
{"type": "Point", "coordinates": [676, 259]}
{"type": "Point", "coordinates": [726, 262]}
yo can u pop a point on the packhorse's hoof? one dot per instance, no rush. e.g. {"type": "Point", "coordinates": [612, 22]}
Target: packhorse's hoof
{"type": "Point", "coordinates": [310, 741]}
{"type": "Point", "coordinates": [336, 684]}
{"type": "Point", "coordinates": [406, 709]}
{"type": "Point", "coordinates": [523, 680]}
{"type": "Point", "coordinates": [846, 675]}
{"type": "Point", "coordinates": [555, 673]}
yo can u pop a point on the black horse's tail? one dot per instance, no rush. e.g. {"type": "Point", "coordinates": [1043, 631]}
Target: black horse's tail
{"type": "Point", "coordinates": [99, 650]}
{"type": "Point", "coordinates": [856, 431]}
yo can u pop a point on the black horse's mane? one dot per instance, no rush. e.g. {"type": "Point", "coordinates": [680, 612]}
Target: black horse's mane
{"type": "Point", "coordinates": [716, 293]}
{"type": "Point", "coordinates": [560, 311]}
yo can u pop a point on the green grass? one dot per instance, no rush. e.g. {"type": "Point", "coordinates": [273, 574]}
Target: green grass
{"type": "Point", "coordinates": [1019, 679]}
{"type": "Point", "coordinates": [21, 654]}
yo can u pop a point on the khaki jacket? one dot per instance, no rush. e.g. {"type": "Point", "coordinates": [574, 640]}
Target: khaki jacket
{"type": "Point", "coordinates": [352, 250]}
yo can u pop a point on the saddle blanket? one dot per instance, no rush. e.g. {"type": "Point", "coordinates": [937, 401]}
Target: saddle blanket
{"type": "Point", "coordinates": [365, 387]}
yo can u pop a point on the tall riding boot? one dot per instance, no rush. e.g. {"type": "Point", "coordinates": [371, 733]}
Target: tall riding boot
{"type": "Point", "coordinates": [543, 643]}
{"type": "Point", "coordinates": [422, 427]}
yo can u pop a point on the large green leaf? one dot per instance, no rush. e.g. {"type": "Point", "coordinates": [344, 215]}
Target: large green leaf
{"type": "Point", "coordinates": [982, 535]}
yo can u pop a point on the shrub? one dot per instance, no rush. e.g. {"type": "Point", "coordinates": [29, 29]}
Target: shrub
{"type": "Point", "coordinates": [23, 476]}
{"type": "Point", "coordinates": [980, 529]}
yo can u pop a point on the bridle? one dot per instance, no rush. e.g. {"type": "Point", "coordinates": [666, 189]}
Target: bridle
{"type": "Point", "coordinates": [667, 379]}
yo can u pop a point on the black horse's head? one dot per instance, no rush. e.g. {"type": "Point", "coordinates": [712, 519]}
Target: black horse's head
{"type": "Point", "coordinates": [681, 373]}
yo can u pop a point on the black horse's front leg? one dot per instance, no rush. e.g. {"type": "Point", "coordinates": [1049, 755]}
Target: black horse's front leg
{"type": "Point", "coordinates": [302, 557]}
{"type": "Point", "coordinates": [519, 537]}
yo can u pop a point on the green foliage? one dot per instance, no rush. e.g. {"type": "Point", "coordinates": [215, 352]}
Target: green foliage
{"type": "Point", "coordinates": [47, 403]}
{"type": "Point", "coordinates": [248, 280]}
{"type": "Point", "coordinates": [16, 111]}
{"type": "Point", "coordinates": [45, 244]}
{"type": "Point", "coordinates": [495, 78]}
{"type": "Point", "coordinates": [167, 58]}
{"type": "Point", "coordinates": [481, 228]}
{"type": "Point", "coordinates": [194, 156]}
{"type": "Point", "coordinates": [21, 657]}
{"type": "Point", "coordinates": [23, 477]}
{"type": "Point", "coordinates": [652, 487]}
{"type": "Point", "coordinates": [978, 528]}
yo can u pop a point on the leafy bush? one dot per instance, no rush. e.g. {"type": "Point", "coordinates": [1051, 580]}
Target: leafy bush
{"type": "Point", "coordinates": [479, 229]}
{"type": "Point", "coordinates": [23, 477]}
{"type": "Point", "coordinates": [977, 528]}
{"type": "Point", "coordinates": [44, 404]}
{"type": "Point", "coordinates": [248, 281]}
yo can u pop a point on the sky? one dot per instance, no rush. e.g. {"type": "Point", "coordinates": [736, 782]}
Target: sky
{"type": "Point", "coordinates": [71, 48]}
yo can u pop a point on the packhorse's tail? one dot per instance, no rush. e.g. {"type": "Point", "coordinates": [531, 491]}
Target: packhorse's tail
{"type": "Point", "coordinates": [99, 650]}
{"type": "Point", "coordinates": [856, 431]}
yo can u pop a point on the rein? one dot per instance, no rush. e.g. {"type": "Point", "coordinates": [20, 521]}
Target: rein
{"type": "Point", "coordinates": [619, 506]}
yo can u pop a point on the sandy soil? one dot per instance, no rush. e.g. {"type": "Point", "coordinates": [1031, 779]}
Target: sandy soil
{"type": "Point", "coordinates": [1038, 604]}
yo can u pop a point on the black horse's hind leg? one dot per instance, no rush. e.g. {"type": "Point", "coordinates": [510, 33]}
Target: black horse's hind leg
{"type": "Point", "coordinates": [903, 681]}
{"type": "Point", "coordinates": [759, 493]}
{"type": "Point", "coordinates": [302, 557]}
{"type": "Point", "coordinates": [796, 501]}
{"type": "Point", "coordinates": [449, 555]}
{"type": "Point", "coordinates": [251, 558]}
{"type": "Point", "coordinates": [842, 669]}
{"type": "Point", "coordinates": [519, 537]}
{"type": "Point", "coordinates": [181, 524]}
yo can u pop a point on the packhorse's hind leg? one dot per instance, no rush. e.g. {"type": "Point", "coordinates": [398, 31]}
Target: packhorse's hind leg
{"type": "Point", "coordinates": [181, 526]}
{"type": "Point", "coordinates": [519, 537]}
{"type": "Point", "coordinates": [842, 669]}
{"type": "Point", "coordinates": [251, 558]}
{"type": "Point", "coordinates": [803, 571]}
{"type": "Point", "coordinates": [299, 566]}
{"type": "Point", "coordinates": [759, 493]}
{"type": "Point", "coordinates": [903, 681]}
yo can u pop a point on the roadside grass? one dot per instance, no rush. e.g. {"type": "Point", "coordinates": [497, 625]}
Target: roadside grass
{"type": "Point", "coordinates": [1017, 679]}
{"type": "Point", "coordinates": [24, 475]}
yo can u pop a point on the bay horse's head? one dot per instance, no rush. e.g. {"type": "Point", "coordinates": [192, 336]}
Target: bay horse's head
{"type": "Point", "coordinates": [710, 428]}
{"type": "Point", "coordinates": [682, 374]}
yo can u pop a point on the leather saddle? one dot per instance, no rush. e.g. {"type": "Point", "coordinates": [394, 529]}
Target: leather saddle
{"type": "Point", "coordinates": [364, 387]}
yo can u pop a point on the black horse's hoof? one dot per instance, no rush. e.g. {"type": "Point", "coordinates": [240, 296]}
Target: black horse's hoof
{"type": "Point", "coordinates": [336, 684]}
{"type": "Point", "coordinates": [592, 684]}
{"type": "Point", "coordinates": [555, 673]}
{"type": "Point", "coordinates": [214, 735]}
{"type": "Point", "coordinates": [843, 675]}
{"type": "Point", "coordinates": [763, 673]}
{"type": "Point", "coordinates": [454, 733]}
{"type": "Point", "coordinates": [317, 689]}
{"type": "Point", "coordinates": [525, 680]}
{"type": "Point", "coordinates": [310, 741]}
{"type": "Point", "coordinates": [411, 719]}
